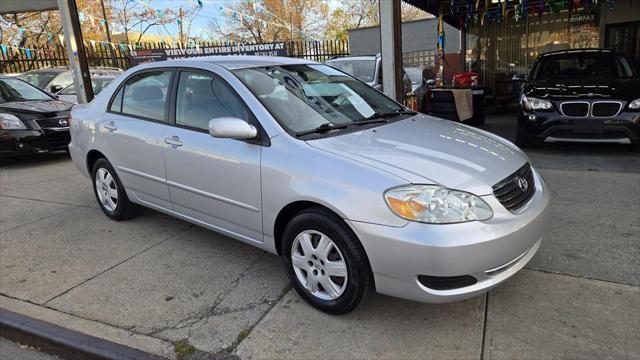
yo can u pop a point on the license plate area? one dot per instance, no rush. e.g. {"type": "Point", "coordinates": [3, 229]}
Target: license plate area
{"type": "Point", "coordinates": [588, 126]}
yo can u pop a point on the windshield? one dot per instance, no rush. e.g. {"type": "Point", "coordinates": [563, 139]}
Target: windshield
{"type": "Point", "coordinates": [415, 74]}
{"type": "Point", "coordinates": [304, 97]}
{"type": "Point", "coordinates": [12, 90]}
{"type": "Point", "coordinates": [96, 84]}
{"type": "Point", "coordinates": [363, 70]}
{"type": "Point", "coordinates": [38, 79]}
{"type": "Point", "coordinates": [582, 64]}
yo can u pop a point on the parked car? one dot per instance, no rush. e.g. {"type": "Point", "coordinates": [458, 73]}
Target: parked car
{"type": "Point", "coordinates": [98, 83]}
{"type": "Point", "coordinates": [54, 79]}
{"type": "Point", "coordinates": [31, 121]}
{"type": "Point", "coordinates": [416, 75]}
{"type": "Point", "coordinates": [368, 69]}
{"type": "Point", "coordinates": [355, 192]}
{"type": "Point", "coordinates": [582, 95]}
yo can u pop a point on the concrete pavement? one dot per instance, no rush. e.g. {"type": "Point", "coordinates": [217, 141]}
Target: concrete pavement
{"type": "Point", "coordinates": [154, 282]}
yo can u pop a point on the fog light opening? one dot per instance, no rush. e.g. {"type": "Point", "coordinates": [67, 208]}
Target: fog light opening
{"type": "Point", "coordinates": [446, 282]}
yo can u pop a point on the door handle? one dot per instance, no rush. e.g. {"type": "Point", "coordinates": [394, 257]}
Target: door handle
{"type": "Point", "coordinates": [111, 126]}
{"type": "Point", "coordinates": [174, 141]}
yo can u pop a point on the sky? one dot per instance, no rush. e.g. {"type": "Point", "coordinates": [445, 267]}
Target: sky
{"type": "Point", "coordinates": [210, 11]}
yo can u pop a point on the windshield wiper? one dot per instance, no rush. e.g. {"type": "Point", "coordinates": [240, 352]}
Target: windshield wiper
{"type": "Point", "coordinates": [382, 115]}
{"type": "Point", "coordinates": [321, 129]}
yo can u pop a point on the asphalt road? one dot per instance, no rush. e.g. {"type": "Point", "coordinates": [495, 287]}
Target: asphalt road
{"type": "Point", "coordinates": [154, 282]}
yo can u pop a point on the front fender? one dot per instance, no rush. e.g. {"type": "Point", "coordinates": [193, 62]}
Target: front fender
{"type": "Point", "coordinates": [294, 171]}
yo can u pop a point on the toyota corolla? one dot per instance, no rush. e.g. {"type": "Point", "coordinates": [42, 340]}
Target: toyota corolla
{"type": "Point", "coordinates": [352, 190]}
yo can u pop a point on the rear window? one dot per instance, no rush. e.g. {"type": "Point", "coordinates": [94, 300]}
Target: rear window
{"type": "Point", "coordinates": [363, 70]}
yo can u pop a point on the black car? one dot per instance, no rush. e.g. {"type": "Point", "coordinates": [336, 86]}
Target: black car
{"type": "Point", "coordinates": [581, 95]}
{"type": "Point", "coordinates": [31, 121]}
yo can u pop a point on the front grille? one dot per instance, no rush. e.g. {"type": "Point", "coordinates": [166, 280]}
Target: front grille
{"type": "Point", "coordinates": [605, 108]}
{"type": "Point", "coordinates": [52, 123]}
{"type": "Point", "coordinates": [514, 191]}
{"type": "Point", "coordinates": [575, 109]}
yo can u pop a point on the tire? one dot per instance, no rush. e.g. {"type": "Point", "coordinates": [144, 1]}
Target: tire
{"type": "Point", "coordinates": [344, 252]}
{"type": "Point", "coordinates": [110, 193]}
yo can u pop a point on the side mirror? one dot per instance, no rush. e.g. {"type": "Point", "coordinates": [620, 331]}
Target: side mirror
{"type": "Point", "coordinates": [232, 128]}
{"type": "Point", "coordinates": [55, 88]}
{"type": "Point", "coordinates": [431, 83]}
{"type": "Point", "coordinates": [518, 78]}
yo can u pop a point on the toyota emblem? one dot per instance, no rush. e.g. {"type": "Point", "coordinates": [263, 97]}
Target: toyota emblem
{"type": "Point", "coordinates": [63, 122]}
{"type": "Point", "coordinates": [523, 184]}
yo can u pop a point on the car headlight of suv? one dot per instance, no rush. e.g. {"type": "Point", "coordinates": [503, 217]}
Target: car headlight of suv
{"type": "Point", "coordinates": [531, 103]}
{"type": "Point", "coordinates": [436, 204]}
{"type": "Point", "coordinates": [11, 122]}
{"type": "Point", "coordinates": [635, 104]}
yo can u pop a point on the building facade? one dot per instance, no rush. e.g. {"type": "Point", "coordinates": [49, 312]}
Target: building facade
{"type": "Point", "coordinates": [418, 42]}
{"type": "Point", "coordinates": [499, 49]}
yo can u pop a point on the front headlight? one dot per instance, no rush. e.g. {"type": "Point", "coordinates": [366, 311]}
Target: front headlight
{"type": "Point", "coordinates": [11, 122]}
{"type": "Point", "coordinates": [436, 205]}
{"type": "Point", "coordinates": [635, 104]}
{"type": "Point", "coordinates": [531, 103]}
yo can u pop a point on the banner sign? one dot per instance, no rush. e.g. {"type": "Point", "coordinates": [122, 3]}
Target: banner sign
{"type": "Point", "coordinates": [151, 55]}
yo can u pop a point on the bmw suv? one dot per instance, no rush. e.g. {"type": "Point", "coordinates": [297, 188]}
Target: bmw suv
{"type": "Point", "coordinates": [582, 95]}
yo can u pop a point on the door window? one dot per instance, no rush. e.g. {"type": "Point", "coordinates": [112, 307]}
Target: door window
{"type": "Point", "coordinates": [145, 94]}
{"type": "Point", "coordinates": [202, 97]}
{"type": "Point", "coordinates": [63, 80]}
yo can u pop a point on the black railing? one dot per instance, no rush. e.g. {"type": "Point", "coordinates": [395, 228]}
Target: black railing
{"type": "Point", "coordinates": [118, 55]}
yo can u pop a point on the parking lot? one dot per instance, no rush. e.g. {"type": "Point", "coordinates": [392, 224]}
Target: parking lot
{"type": "Point", "coordinates": [177, 290]}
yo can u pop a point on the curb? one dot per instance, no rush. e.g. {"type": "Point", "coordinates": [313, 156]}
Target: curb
{"type": "Point", "coordinates": [63, 342]}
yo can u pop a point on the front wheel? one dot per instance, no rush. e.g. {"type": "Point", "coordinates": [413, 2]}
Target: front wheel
{"type": "Point", "coordinates": [325, 262]}
{"type": "Point", "coordinates": [110, 193]}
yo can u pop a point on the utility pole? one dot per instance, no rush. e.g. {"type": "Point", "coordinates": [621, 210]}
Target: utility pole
{"type": "Point", "coordinates": [75, 50]}
{"type": "Point", "coordinates": [181, 15]}
{"type": "Point", "coordinates": [106, 26]}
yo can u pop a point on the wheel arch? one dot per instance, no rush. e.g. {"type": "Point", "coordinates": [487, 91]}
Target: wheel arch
{"type": "Point", "coordinates": [92, 157]}
{"type": "Point", "coordinates": [289, 211]}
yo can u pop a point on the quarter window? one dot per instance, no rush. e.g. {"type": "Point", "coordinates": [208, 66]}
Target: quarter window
{"type": "Point", "coordinates": [145, 95]}
{"type": "Point", "coordinates": [202, 97]}
{"type": "Point", "coordinates": [116, 104]}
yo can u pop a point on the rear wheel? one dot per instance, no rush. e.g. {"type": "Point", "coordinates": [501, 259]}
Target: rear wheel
{"type": "Point", "coordinates": [110, 193]}
{"type": "Point", "coordinates": [325, 262]}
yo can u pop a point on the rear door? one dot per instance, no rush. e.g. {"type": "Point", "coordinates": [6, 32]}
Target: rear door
{"type": "Point", "coordinates": [134, 128]}
{"type": "Point", "coordinates": [215, 181]}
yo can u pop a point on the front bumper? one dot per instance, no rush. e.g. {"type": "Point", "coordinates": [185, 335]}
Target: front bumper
{"type": "Point", "coordinates": [24, 142]}
{"type": "Point", "coordinates": [490, 251]}
{"type": "Point", "coordinates": [553, 126]}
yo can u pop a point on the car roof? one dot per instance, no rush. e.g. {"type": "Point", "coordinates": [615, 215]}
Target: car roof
{"type": "Point", "coordinates": [60, 69]}
{"type": "Point", "coordinates": [572, 51]}
{"type": "Point", "coordinates": [364, 57]}
{"type": "Point", "coordinates": [234, 62]}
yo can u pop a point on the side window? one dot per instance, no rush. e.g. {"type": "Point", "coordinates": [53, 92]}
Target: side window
{"type": "Point", "coordinates": [63, 80]}
{"type": "Point", "coordinates": [116, 104]}
{"type": "Point", "coordinates": [145, 94]}
{"type": "Point", "coordinates": [203, 97]}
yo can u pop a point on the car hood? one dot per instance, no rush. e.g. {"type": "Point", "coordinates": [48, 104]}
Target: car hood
{"type": "Point", "coordinates": [597, 88]}
{"type": "Point", "coordinates": [45, 106]}
{"type": "Point", "coordinates": [429, 150]}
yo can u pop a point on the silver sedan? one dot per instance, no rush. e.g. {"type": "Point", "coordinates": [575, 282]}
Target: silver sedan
{"type": "Point", "coordinates": [353, 191]}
